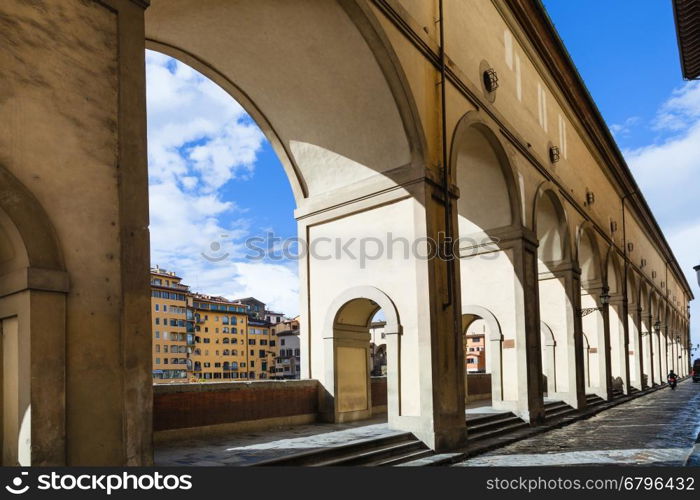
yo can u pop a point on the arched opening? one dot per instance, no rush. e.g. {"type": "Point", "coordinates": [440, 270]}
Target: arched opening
{"type": "Point", "coordinates": [489, 224]}
{"type": "Point", "coordinates": [32, 331]}
{"type": "Point", "coordinates": [663, 340]}
{"type": "Point", "coordinates": [549, 360]}
{"type": "Point", "coordinates": [363, 322]}
{"type": "Point", "coordinates": [655, 339]}
{"type": "Point", "coordinates": [482, 339]}
{"type": "Point", "coordinates": [635, 353]}
{"type": "Point", "coordinates": [329, 97]}
{"type": "Point", "coordinates": [592, 320]}
{"type": "Point", "coordinates": [559, 286]}
{"type": "Point", "coordinates": [619, 368]}
{"type": "Point", "coordinates": [15, 360]}
{"type": "Point", "coordinates": [646, 335]}
{"type": "Point", "coordinates": [586, 360]}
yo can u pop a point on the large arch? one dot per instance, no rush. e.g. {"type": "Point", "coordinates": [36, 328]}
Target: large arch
{"type": "Point", "coordinates": [655, 338]}
{"type": "Point", "coordinates": [635, 353]}
{"type": "Point", "coordinates": [33, 284]}
{"type": "Point", "coordinates": [323, 81]}
{"type": "Point", "coordinates": [617, 324]}
{"type": "Point", "coordinates": [332, 97]}
{"type": "Point", "coordinates": [549, 361]}
{"type": "Point", "coordinates": [559, 292]}
{"type": "Point", "coordinates": [491, 252]}
{"type": "Point", "coordinates": [593, 322]}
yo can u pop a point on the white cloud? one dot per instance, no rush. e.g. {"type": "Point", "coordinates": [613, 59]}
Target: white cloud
{"type": "Point", "coordinates": [682, 107]}
{"type": "Point", "coordinates": [668, 173]}
{"type": "Point", "coordinates": [624, 128]}
{"type": "Point", "coordinates": [200, 139]}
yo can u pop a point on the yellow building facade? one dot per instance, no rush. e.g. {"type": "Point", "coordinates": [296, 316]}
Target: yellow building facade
{"type": "Point", "coordinates": [171, 345]}
{"type": "Point", "coordinates": [229, 343]}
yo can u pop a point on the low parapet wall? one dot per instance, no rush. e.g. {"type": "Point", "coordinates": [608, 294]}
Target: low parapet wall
{"type": "Point", "coordinates": [478, 387]}
{"type": "Point", "coordinates": [189, 410]}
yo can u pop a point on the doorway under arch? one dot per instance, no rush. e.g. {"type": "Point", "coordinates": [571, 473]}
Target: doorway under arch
{"type": "Point", "coordinates": [33, 286]}
{"type": "Point", "coordinates": [347, 355]}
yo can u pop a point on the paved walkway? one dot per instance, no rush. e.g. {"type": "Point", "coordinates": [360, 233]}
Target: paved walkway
{"type": "Point", "coordinates": [657, 429]}
{"type": "Point", "coordinates": [249, 448]}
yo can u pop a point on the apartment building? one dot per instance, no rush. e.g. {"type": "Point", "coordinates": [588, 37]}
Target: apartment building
{"type": "Point", "coordinates": [173, 340]}
{"type": "Point", "coordinates": [288, 360]}
{"type": "Point", "coordinates": [220, 338]}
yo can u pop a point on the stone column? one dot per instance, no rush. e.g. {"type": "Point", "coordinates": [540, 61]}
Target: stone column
{"type": "Point", "coordinates": [635, 346]}
{"type": "Point", "coordinates": [620, 349]}
{"type": "Point", "coordinates": [74, 102]}
{"type": "Point", "coordinates": [651, 356]}
{"type": "Point", "coordinates": [527, 404]}
{"type": "Point", "coordinates": [660, 375]}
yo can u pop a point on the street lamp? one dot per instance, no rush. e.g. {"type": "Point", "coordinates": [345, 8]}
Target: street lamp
{"type": "Point", "coordinates": [697, 270]}
{"type": "Point", "coordinates": [656, 327]}
{"type": "Point", "coordinates": [604, 301]}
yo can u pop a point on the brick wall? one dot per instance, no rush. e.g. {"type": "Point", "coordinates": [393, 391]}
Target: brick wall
{"type": "Point", "coordinates": [196, 405]}
{"type": "Point", "coordinates": [378, 388]}
{"type": "Point", "coordinates": [478, 386]}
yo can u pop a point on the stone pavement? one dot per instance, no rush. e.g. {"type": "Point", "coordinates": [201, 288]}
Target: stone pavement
{"type": "Point", "coordinates": [658, 429]}
{"type": "Point", "coordinates": [251, 447]}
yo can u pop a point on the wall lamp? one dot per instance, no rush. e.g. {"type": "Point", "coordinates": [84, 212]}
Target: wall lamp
{"type": "Point", "coordinates": [490, 80]}
{"type": "Point", "coordinates": [554, 154]}
{"type": "Point", "coordinates": [657, 329]}
{"type": "Point", "coordinates": [604, 301]}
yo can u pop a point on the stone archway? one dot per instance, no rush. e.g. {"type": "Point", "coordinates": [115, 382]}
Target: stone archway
{"type": "Point", "coordinates": [549, 360]}
{"type": "Point", "coordinates": [494, 247]}
{"type": "Point", "coordinates": [493, 346]}
{"type": "Point", "coordinates": [347, 391]}
{"type": "Point", "coordinates": [33, 284]}
{"type": "Point", "coordinates": [559, 284]}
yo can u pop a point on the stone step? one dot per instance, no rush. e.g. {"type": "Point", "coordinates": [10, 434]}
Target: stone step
{"type": "Point", "coordinates": [378, 455]}
{"type": "Point", "coordinates": [490, 421]}
{"type": "Point", "coordinates": [407, 457]}
{"type": "Point", "coordinates": [557, 409]}
{"type": "Point", "coordinates": [495, 431]}
{"type": "Point", "coordinates": [396, 443]}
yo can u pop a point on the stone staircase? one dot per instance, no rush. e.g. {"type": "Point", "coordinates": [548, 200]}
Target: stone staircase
{"type": "Point", "coordinates": [480, 427]}
{"type": "Point", "coordinates": [389, 450]}
{"type": "Point", "coordinates": [405, 448]}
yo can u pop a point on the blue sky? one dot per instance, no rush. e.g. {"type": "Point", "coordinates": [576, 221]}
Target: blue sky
{"type": "Point", "coordinates": [627, 53]}
{"type": "Point", "coordinates": [215, 179]}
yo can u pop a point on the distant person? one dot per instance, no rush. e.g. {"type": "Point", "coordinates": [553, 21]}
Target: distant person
{"type": "Point", "coordinates": [672, 380]}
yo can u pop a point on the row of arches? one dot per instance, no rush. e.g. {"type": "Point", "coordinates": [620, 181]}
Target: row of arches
{"type": "Point", "coordinates": [583, 325]}
{"type": "Point", "coordinates": [323, 81]}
